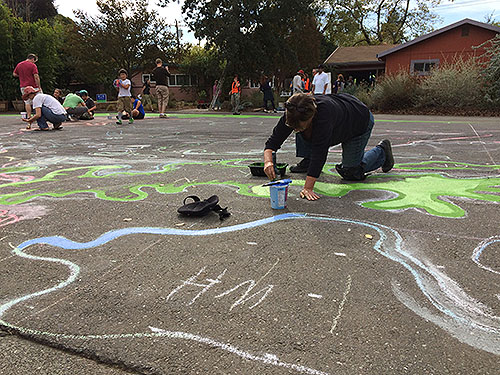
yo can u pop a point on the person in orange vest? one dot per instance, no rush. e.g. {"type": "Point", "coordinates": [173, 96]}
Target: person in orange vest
{"type": "Point", "coordinates": [306, 82]}
{"type": "Point", "coordinates": [235, 95]}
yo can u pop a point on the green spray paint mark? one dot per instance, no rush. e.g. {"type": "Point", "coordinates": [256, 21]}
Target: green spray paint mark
{"type": "Point", "coordinates": [425, 191]}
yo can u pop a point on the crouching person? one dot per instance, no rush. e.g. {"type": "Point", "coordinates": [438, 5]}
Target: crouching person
{"type": "Point", "coordinates": [322, 121]}
{"type": "Point", "coordinates": [46, 107]}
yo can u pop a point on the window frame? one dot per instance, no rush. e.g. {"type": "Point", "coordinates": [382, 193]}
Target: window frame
{"type": "Point", "coordinates": [433, 62]}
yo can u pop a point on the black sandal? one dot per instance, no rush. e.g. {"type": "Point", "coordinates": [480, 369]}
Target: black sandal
{"type": "Point", "coordinates": [201, 208]}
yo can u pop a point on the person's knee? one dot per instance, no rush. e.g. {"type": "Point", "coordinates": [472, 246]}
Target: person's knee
{"type": "Point", "coordinates": [351, 173]}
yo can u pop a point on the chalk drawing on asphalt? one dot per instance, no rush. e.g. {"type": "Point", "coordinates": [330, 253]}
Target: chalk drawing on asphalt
{"type": "Point", "coordinates": [427, 192]}
{"type": "Point", "coordinates": [449, 306]}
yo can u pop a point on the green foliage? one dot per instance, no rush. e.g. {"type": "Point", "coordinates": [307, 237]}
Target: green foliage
{"type": "Point", "coordinates": [491, 72]}
{"type": "Point", "coordinates": [20, 38]}
{"type": "Point", "coordinates": [125, 34]}
{"type": "Point", "coordinates": [395, 92]}
{"type": "Point", "coordinates": [32, 10]}
{"type": "Point", "coordinates": [206, 63]}
{"type": "Point", "coordinates": [256, 36]}
{"type": "Point", "coordinates": [370, 22]}
{"type": "Point", "coordinates": [457, 84]}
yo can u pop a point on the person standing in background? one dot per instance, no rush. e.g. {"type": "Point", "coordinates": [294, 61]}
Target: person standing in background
{"type": "Point", "coordinates": [235, 95]}
{"type": "Point", "coordinates": [27, 72]}
{"type": "Point", "coordinates": [146, 94]}
{"type": "Point", "coordinates": [161, 75]}
{"type": "Point", "coordinates": [320, 81]}
{"type": "Point", "coordinates": [297, 84]}
{"type": "Point", "coordinates": [267, 90]}
{"type": "Point", "coordinates": [216, 94]}
{"type": "Point", "coordinates": [339, 84]}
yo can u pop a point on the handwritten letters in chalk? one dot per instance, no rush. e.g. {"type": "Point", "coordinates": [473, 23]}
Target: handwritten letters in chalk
{"type": "Point", "coordinates": [243, 293]}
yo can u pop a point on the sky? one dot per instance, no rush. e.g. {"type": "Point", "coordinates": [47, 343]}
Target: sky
{"type": "Point", "coordinates": [450, 12]}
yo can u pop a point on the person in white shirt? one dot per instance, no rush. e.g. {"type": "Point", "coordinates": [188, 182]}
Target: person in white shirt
{"type": "Point", "coordinates": [123, 86]}
{"type": "Point", "coordinates": [47, 108]}
{"type": "Point", "coordinates": [297, 82]}
{"type": "Point", "coordinates": [320, 81]}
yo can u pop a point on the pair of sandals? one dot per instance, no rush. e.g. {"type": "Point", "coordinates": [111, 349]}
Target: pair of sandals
{"type": "Point", "coordinates": [200, 207]}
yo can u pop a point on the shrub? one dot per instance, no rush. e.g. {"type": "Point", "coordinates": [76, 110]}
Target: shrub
{"type": "Point", "coordinates": [454, 84]}
{"type": "Point", "coordinates": [363, 92]}
{"type": "Point", "coordinates": [491, 71]}
{"type": "Point", "coordinates": [395, 92]}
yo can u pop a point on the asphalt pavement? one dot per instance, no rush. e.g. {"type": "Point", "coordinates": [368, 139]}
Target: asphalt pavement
{"type": "Point", "coordinates": [398, 274]}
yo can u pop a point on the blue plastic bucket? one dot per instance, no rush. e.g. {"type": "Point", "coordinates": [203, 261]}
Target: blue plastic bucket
{"type": "Point", "coordinates": [279, 194]}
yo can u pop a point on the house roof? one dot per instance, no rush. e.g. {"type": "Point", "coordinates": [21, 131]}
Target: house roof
{"type": "Point", "coordinates": [358, 55]}
{"type": "Point", "coordinates": [440, 31]}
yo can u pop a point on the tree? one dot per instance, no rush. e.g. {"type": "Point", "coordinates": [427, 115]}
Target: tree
{"type": "Point", "coordinates": [369, 22]}
{"type": "Point", "coordinates": [20, 38]}
{"type": "Point", "coordinates": [125, 34]}
{"type": "Point", "coordinates": [32, 10]}
{"type": "Point", "coordinates": [254, 36]}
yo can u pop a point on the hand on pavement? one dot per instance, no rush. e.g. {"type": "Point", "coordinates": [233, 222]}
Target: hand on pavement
{"type": "Point", "coordinates": [309, 194]}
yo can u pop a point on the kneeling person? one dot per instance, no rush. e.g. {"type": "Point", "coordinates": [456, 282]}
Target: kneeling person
{"type": "Point", "coordinates": [75, 107]}
{"type": "Point", "coordinates": [138, 112]}
{"type": "Point", "coordinates": [322, 121]}
{"type": "Point", "coordinates": [46, 107]}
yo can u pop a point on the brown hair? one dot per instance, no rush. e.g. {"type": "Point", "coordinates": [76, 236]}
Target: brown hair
{"type": "Point", "coordinates": [299, 107]}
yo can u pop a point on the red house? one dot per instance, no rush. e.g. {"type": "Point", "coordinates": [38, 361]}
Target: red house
{"type": "Point", "coordinates": [457, 40]}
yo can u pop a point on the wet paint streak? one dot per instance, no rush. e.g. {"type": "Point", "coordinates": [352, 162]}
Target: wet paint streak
{"type": "Point", "coordinates": [441, 291]}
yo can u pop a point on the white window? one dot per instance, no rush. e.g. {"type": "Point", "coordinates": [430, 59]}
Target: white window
{"type": "Point", "coordinates": [183, 80]}
{"type": "Point", "coordinates": [423, 67]}
{"type": "Point", "coordinates": [147, 76]}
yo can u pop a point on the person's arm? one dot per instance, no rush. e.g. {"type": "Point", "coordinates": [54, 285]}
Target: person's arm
{"type": "Point", "coordinates": [324, 89]}
{"type": "Point", "coordinates": [138, 104]}
{"type": "Point", "coordinates": [123, 85]}
{"type": "Point", "coordinates": [268, 164]}
{"type": "Point", "coordinates": [36, 116]}
{"type": "Point", "coordinates": [93, 108]}
{"type": "Point", "coordinates": [15, 74]}
{"type": "Point", "coordinates": [307, 192]}
{"type": "Point", "coordinates": [37, 80]}
{"type": "Point", "coordinates": [279, 135]}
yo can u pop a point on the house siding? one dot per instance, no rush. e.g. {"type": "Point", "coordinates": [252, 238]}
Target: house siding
{"type": "Point", "coordinates": [445, 47]}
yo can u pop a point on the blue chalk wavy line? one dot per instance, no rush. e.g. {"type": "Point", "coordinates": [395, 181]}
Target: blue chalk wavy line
{"type": "Point", "coordinates": [395, 253]}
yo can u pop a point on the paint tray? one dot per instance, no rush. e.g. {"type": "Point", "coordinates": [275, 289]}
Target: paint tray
{"type": "Point", "coordinates": [257, 169]}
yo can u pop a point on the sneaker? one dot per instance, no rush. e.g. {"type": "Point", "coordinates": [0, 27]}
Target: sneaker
{"type": "Point", "coordinates": [131, 120]}
{"type": "Point", "coordinates": [301, 167]}
{"type": "Point", "coordinates": [389, 158]}
{"type": "Point", "coordinates": [119, 122]}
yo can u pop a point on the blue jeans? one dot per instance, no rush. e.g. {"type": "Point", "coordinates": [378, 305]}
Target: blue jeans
{"type": "Point", "coordinates": [48, 115]}
{"type": "Point", "coordinates": [353, 151]}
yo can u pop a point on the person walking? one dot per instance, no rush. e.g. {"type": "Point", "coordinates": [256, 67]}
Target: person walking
{"type": "Point", "coordinates": [27, 72]}
{"type": "Point", "coordinates": [235, 95]}
{"type": "Point", "coordinates": [161, 75]}
{"type": "Point", "coordinates": [322, 121]}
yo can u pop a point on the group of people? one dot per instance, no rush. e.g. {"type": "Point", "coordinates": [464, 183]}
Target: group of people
{"type": "Point", "coordinates": [302, 84]}
{"type": "Point", "coordinates": [57, 108]}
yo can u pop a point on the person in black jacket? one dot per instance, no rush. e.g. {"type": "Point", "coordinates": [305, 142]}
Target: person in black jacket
{"type": "Point", "coordinates": [322, 121]}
